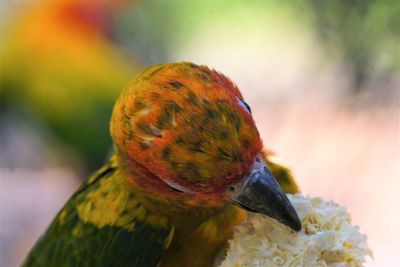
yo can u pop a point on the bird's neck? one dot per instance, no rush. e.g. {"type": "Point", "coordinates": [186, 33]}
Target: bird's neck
{"type": "Point", "coordinates": [178, 213]}
{"type": "Point", "coordinates": [169, 205]}
{"type": "Point", "coordinates": [112, 202]}
{"type": "Point", "coordinates": [209, 223]}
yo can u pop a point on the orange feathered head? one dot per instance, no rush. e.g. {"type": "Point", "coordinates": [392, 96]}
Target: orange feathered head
{"type": "Point", "coordinates": [183, 132]}
{"type": "Point", "coordinates": [187, 125]}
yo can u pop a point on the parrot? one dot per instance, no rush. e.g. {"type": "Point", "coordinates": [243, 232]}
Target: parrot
{"type": "Point", "coordinates": [188, 166]}
{"type": "Point", "coordinates": [53, 60]}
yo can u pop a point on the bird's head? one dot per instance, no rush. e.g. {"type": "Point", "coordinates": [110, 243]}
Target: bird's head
{"type": "Point", "coordinates": [183, 132]}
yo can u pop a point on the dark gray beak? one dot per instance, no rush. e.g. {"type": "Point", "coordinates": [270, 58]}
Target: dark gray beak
{"type": "Point", "coordinates": [259, 192]}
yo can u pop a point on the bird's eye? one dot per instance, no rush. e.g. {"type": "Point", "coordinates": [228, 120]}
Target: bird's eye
{"type": "Point", "coordinates": [244, 105]}
{"type": "Point", "coordinates": [176, 187]}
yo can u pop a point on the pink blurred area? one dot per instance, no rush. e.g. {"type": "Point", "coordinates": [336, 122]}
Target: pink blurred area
{"type": "Point", "coordinates": [29, 199]}
{"type": "Point", "coordinates": [339, 146]}
{"type": "Point", "coordinates": [350, 157]}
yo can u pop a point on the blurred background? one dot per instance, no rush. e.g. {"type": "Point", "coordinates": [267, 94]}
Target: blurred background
{"type": "Point", "coordinates": [322, 78]}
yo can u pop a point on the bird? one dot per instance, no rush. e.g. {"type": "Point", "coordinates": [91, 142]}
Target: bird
{"type": "Point", "coordinates": [188, 166]}
{"type": "Point", "coordinates": [62, 67]}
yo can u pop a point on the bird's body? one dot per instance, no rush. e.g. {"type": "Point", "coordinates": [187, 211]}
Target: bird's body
{"type": "Point", "coordinates": [137, 232]}
{"type": "Point", "coordinates": [186, 149]}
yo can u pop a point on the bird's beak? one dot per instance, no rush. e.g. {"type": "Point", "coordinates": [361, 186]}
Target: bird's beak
{"type": "Point", "coordinates": [259, 192]}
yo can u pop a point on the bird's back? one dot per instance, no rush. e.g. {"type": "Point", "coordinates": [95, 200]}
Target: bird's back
{"type": "Point", "coordinates": [102, 224]}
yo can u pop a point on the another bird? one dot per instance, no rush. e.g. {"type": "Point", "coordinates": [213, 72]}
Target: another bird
{"type": "Point", "coordinates": [60, 65]}
{"type": "Point", "coordinates": [188, 162]}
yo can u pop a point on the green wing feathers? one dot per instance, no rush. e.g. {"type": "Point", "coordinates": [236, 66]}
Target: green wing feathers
{"type": "Point", "coordinates": [103, 224]}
